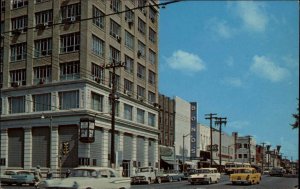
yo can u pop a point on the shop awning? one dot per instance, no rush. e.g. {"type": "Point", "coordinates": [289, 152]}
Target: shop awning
{"type": "Point", "coordinates": [190, 163]}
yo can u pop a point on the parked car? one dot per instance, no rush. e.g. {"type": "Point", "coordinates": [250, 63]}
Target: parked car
{"type": "Point", "coordinates": [245, 176]}
{"type": "Point", "coordinates": [18, 177]}
{"type": "Point", "coordinates": [277, 171]}
{"type": "Point", "coordinates": [172, 175]}
{"type": "Point", "coordinates": [89, 177]}
{"type": "Point", "coordinates": [266, 172]}
{"type": "Point", "coordinates": [146, 175]}
{"type": "Point", "coordinates": [205, 175]}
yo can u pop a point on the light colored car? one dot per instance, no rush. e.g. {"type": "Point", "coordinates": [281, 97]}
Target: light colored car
{"type": "Point", "coordinates": [205, 175]}
{"type": "Point", "coordinates": [18, 177]}
{"type": "Point", "coordinates": [89, 177]}
{"type": "Point", "coordinates": [245, 176]}
{"type": "Point", "coordinates": [277, 171]}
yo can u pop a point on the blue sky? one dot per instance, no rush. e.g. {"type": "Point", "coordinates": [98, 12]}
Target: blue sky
{"type": "Point", "coordinates": [237, 59]}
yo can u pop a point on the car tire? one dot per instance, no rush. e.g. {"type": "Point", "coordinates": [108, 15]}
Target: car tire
{"type": "Point", "coordinates": [233, 183]}
{"type": "Point", "coordinates": [170, 179]}
{"type": "Point", "coordinates": [209, 181]}
{"type": "Point", "coordinates": [179, 179]}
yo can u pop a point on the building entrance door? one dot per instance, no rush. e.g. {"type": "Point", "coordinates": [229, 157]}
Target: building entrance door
{"type": "Point", "coordinates": [126, 168]}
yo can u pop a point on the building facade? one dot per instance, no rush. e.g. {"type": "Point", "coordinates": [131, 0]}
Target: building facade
{"type": "Point", "coordinates": [246, 149]}
{"type": "Point", "coordinates": [56, 60]}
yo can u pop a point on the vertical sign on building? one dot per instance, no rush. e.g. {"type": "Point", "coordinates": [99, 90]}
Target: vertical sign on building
{"type": "Point", "coordinates": [193, 129]}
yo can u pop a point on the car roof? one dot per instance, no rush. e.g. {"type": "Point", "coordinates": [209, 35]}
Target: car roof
{"type": "Point", "coordinates": [208, 168]}
{"type": "Point", "coordinates": [94, 168]}
{"type": "Point", "coordinates": [251, 168]}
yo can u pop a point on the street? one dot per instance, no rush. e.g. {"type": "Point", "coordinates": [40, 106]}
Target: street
{"type": "Point", "coordinates": [267, 182]}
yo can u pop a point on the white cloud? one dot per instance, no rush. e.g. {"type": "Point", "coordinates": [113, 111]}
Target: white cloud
{"type": "Point", "coordinates": [184, 61]}
{"type": "Point", "coordinates": [252, 15]}
{"type": "Point", "coordinates": [239, 124]}
{"type": "Point", "coordinates": [220, 28]}
{"type": "Point", "coordinates": [265, 68]}
{"type": "Point", "coordinates": [235, 82]}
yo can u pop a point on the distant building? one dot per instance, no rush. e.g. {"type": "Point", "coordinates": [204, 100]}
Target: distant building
{"type": "Point", "coordinates": [246, 149]}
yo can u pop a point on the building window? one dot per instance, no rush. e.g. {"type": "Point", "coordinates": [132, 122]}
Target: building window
{"type": "Point", "coordinates": [141, 71]}
{"type": "Point", "coordinates": [128, 86]}
{"type": "Point", "coordinates": [18, 77]}
{"type": "Point", "coordinates": [2, 28]}
{"type": "Point", "coordinates": [19, 3]}
{"type": "Point", "coordinates": [129, 64]}
{"type": "Point", "coordinates": [98, 17]}
{"type": "Point", "coordinates": [42, 74]}
{"type": "Point", "coordinates": [44, 17]}
{"type": "Point", "coordinates": [245, 145]}
{"type": "Point", "coordinates": [98, 73]}
{"type": "Point", "coordinates": [152, 56]}
{"type": "Point", "coordinates": [140, 91]}
{"type": "Point", "coordinates": [129, 40]}
{"type": "Point", "coordinates": [41, 1]}
{"type": "Point", "coordinates": [152, 35]}
{"type": "Point", "coordinates": [98, 46]}
{"type": "Point", "coordinates": [69, 70]}
{"type": "Point", "coordinates": [41, 102]}
{"type": "Point", "coordinates": [141, 50]}
{"type": "Point", "coordinates": [19, 23]}
{"type": "Point", "coordinates": [240, 156]}
{"type": "Point", "coordinates": [151, 78]}
{"type": "Point", "coordinates": [152, 14]}
{"type": "Point", "coordinates": [16, 104]}
{"type": "Point", "coordinates": [114, 55]}
{"type": "Point", "coordinates": [151, 119]}
{"type": "Point", "coordinates": [115, 29]}
{"type": "Point", "coordinates": [151, 97]}
{"type": "Point", "coordinates": [2, 5]}
{"type": "Point", "coordinates": [245, 155]}
{"type": "Point", "coordinates": [70, 43]}
{"type": "Point", "coordinates": [18, 52]}
{"type": "Point", "coordinates": [71, 11]}
{"type": "Point", "coordinates": [141, 26]}
{"type": "Point", "coordinates": [140, 116]}
{"type": "Point", "coordinates": [68, 100]}
{"type": "Point", "coordinates": [115, 5]}
{"type": "Point", "coordinates": [128, 112]}
{"type": "Point", "coordinates": [129, 15]}
{"type": "Point", "coordinates": [97, 102]}
{"type": "Point", "coordinates": [43, 47]}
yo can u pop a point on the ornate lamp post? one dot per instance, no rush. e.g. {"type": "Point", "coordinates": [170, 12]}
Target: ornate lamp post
{"type": "Point", "coordinates": [87, 130]}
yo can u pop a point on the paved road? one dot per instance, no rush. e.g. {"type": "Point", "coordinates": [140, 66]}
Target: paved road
{"type": "Point", "coordinates": [266, 183]}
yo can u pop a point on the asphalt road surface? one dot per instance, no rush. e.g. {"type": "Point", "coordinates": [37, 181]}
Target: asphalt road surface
{"type": "Point", "coordinates": [267, 182]}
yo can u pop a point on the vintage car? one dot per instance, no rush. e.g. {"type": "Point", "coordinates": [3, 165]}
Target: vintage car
{"type": "Point", "coordinates": [89, 177]}
{"type": "Point", "coordinates": [18, 177]}
{"type": "Point", "coordinates": [277, 171]}
{"type": "Point", "coordinates": [245, 176]}
{"type": "Point", "coordinates": [205, 175]}
{"type": "Point", "coordinates": [171, 175]}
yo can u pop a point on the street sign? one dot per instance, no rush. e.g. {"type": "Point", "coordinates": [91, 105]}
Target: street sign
{"type": "Point", "coordinates": [214, 148]}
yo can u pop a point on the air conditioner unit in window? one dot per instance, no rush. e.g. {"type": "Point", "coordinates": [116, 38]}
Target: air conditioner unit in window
{"type": "Point", "coordinates": [139, 53]}
{"type": "Point", "coordinates": [40, 26]}
{"type": "Point", "coordinates": [42, 81]}
{"type": "Point", "coordinates": [44, 53]}
{"type": "Point", "coordinates": [129, 93]}
{"type": "Point", "coordinates": [97, 79]}
{"type": "Point", "coordinates": [73, 19]}
{"type": "Point", "coordinates": [16, 32]}
{"type": "Point", "coordinates": [141, 98]}
{"type": "Point", "coordinates": [144, 11]}
{"type": "Point", "coordinates": [118, 38]}
{"type": "Point", "coordinates": [15, 84]}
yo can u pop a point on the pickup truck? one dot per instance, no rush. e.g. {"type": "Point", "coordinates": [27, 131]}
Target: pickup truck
{"type": "Point", "coordinates": [146, 175]}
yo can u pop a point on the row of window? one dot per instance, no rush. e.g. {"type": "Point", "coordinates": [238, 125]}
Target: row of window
{"type": "Point", "coordinates": [70, 100]}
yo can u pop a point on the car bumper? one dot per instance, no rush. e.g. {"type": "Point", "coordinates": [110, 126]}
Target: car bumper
{"type": "Point", "coordinates": [198, 180]}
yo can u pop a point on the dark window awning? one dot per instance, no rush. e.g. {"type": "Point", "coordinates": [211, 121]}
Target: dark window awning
{"type": "Point", "coordinates": [169, 160]}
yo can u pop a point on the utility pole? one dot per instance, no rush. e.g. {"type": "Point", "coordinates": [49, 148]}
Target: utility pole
{"type": "Point", "coordinates": [113, 98]}
{"type": "Point", "coordinates": [249, 146]}
{"type": "Point", "coordinates": [269, 155]}
{"type": "Point", "coordinates": [210, 117]}
{"type": "Point", "coordinates": [219, 121]}
{"type": "Point", "coordinates": [263, 158]}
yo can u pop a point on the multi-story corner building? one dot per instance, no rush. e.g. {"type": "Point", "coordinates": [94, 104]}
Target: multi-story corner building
{"type": "Point", "coordinates": [55, 57]}
{"type": "Point", "coordinates": [245, 149]}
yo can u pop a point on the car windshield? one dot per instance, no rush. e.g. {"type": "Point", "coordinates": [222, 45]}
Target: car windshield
{"type": "Point", "coordinates": [203, 171]}
{"type": "Point", "coordinates": [84, 173]}
{"type": "Point", "coordinates": [242, 171]}
{"type": "Point", "coordinates": [143, 169]}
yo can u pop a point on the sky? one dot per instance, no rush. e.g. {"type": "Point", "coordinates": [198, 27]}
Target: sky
{"type": "Point", "coordinates": [239, 59]}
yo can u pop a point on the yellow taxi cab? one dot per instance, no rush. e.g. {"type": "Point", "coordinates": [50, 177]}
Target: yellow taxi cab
{"type": "Point", "coordinates": [245, 175]}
